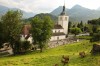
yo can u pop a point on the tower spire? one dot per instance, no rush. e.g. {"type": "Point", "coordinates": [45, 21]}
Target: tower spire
{"type": "Point", "coordinates": [64, 2]}
{"type": "Point", "coordinates": [63, 11]}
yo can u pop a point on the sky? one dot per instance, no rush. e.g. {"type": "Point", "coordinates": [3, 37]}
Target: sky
{"type": "Point", "coordinates": [46, 6]}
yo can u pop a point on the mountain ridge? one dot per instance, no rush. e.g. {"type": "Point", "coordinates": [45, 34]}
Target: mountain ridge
{"type": "Point", "coordinates": [4, 9]}
{"type": "Point", "coordinates": [78, 13]}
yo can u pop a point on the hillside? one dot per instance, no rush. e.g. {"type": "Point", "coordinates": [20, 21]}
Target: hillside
{"type": "Point", "coordinates": [78, 13]}
{"type": "Point", "coordinates": [4, 9]}
{"type": "Point", "coordinates": [53, 56]}
{"type": "Point", "coordinates": [42, 15]}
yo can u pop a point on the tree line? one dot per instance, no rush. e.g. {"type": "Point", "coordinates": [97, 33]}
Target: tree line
{"type": "Point", "coordinates": [92, 27]}
{"type": "Point", "coordinates": [76, 28]}
{"type": "Point", "coordinates": [95, 29]}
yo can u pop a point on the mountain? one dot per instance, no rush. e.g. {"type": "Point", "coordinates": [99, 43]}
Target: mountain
{"type": "Point", "coordinates": [57, 11]}
{"type": "Point", "coordinates": [98, 8]}
{"type": "Point", "coordinates": [42, 15]}
{"type": "Point", "coordinates": [78, 13]}
{"type": "Point", "coordinates": [4, 9]}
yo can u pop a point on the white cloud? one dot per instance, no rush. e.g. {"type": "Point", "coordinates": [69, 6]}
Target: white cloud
{"type": "Point", "coordinates": [9, 3]}
{"type": "Point", "coordinates": [37, 6]}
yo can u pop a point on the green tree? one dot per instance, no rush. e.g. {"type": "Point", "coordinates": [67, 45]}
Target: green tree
{"type": "Point", "coordinates": [41, 31]}
{"type": "Point", "coordinates": [89, 28]}
{"type": "Point", "coordinates": [81, 26]}
{"type": "Point", "coordinates": [94, 21]}
{"type": "Point", "coordinates": [75, 31]}
{"type": "Point", "coordinates": [69, 26]}
{"type": "Point", "coordinates": [25, 45]}
{"type": "Point", "coordinates": [86, 29]}
{"type": "Point", "coordinates": [95, 28]}
{"type": "Point", "coordinates": [11, 23]}
{"type": "Point", "coordinates": [1, 35]}
{"type": "Point", "coordinates": [74, 26]}
{"type": "Point", "coordinates": [22, 46]}
{"type": "Point", "coordinates": [78, 25]}
{"type": "Point", "coordinates": [95, 37]}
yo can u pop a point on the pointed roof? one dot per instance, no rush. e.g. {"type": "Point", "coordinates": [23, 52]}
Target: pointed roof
{"type": "Point", "coordinates": [64, 10]}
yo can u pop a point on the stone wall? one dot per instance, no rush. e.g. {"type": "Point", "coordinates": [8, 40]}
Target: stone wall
{"type": "Point", "coordinates": [56, 43]}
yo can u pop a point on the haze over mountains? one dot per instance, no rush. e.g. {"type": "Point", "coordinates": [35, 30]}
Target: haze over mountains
{"type": "Point", "coordinates": [76, 13]}
{"type": "Point", "coordinates": [4, 9]}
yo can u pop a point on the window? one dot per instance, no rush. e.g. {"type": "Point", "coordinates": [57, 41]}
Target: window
{"type": "Point", "coordinates": [60, 18]}
{"type": "Point", "coordinates": [59, 31]}
{"type": "Point", "coordinates": [65, 18]}
{"type": "Point", "coordinates": [55, 31]}
{"type": "Point", "coordinates": [57, 38]}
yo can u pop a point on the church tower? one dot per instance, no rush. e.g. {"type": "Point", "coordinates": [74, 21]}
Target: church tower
{"type": "Point", "coordinates": [63, 20]}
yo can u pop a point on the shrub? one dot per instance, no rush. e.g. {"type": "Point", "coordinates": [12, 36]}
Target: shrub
{"type": "Point", "coordinates": [56, 65]}
{"type": "Point", "coordinates": [95, 49]}
{"type": "Point", "coordinates": [75, 31]}
{"type": "Point", "coordinates": [17, 47]}
{"type": "Point", "coordinates": [65, 60]}
{"type": "Point", "coordinates": [95, 37]}
{"type": "Point", "coordinates": [84, 37]}
{"type": "Point", "coordinates": [25, 46]}
{"type": "Point", "coordinates": [21, 46]}
{"type": "Point", "coordinates": [82, 54]}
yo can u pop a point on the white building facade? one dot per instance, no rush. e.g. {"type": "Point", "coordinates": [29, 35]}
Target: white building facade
{"type": "Point", "coordinates": [60, 30]}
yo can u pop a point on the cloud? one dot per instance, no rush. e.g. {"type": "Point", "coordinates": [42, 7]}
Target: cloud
{"type": "Point", "coordinates": [38, 6]}
{"type": "Point", "coordinates": [9, 3]}
{"type": "Point", "coordinates": [35, 6]}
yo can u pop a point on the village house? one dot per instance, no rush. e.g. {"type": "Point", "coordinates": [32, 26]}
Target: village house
{"type": "Point", "coordinates": [60, 30]}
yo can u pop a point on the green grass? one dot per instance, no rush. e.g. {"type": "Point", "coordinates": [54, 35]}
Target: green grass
{"type": "Point", "coordinates": [84, 37]}
{"type": "Point", "coordinates": [53, 56]}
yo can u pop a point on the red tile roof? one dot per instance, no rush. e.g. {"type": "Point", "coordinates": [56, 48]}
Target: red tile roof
{"type": "Point", "coordinates": [26, 29]}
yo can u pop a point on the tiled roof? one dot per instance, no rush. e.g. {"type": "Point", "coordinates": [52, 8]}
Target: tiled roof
{"type": "Point", "coordinates": [26, 29]}
{"type": "Point", "coordinates": [57, 26]}
{"type": "Point", "coordinates": [58, 34]}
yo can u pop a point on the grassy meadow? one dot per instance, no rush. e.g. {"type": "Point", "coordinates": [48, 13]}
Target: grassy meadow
{"type": "Point", "coordinates": [53, 56]}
